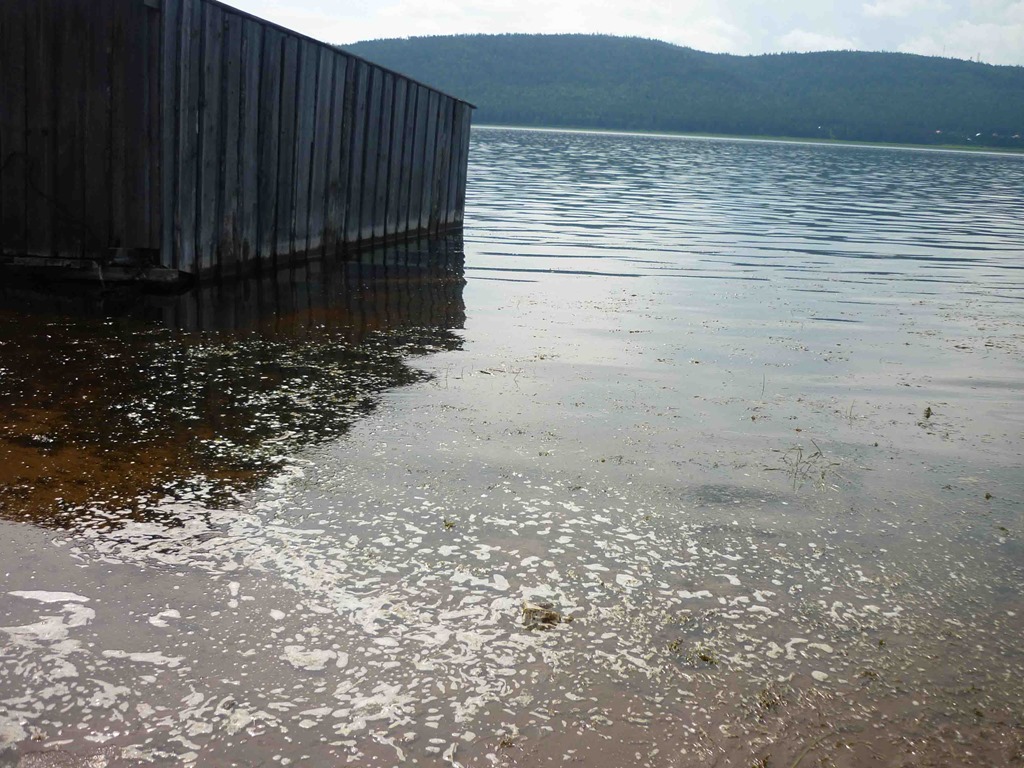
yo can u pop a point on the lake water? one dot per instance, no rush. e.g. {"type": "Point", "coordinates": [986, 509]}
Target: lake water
{"type": "Point", "coordinates": [747, 416]}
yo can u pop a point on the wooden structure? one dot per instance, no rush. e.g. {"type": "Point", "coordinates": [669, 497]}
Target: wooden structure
{"type": "Point", "coordinates": [157, 138]}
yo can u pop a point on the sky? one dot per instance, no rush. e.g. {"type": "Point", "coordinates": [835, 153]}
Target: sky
{"type": "Point", "coordinates": [989, 30]}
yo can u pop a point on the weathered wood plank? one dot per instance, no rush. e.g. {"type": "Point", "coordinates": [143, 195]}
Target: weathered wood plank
{"type": "Point", "coordinates": [3, 118]}
{"type": "Point", "coordinates": [371, 151]}
{"type": "Point", "coordinates": [186, 199]}
{"type": "Point", "coordinates": [444, 157]}
{"type": "Point", "coordinates": [125, 104]}
{"type": "Point", "coordinates": [395, 158]}
{"type": "Point", "coordinates": [12, 130]}
{"type": "Point", "coordinates": [269, 139]}
{"type": "Point", "coordinates": [231, 117]}
{"type": "Point", "coordinates": [309, 67]}
{"type": "Point", "coordinates": [356, 153]}
{"type": "Point", "coordinates": [429, 157]}
{"type": "Point", "coordinates": [249, 155]}
{"type": "Point", "coordinates": [440, 149]}
{"type": "Point", "coordinates": [211, 139]}
{"type": "Point", "coordinates": [387, 112]}
{"type": "Point", "coordinates": [466, 117]}
{"type": "Point", "coordinates": [337, 176]}
{"type": "Point", "coordinates": [120, 139]}
{"type": "Point", "coordinates": [450, 182]}
{"type": "Point", "coordinates": [418, 160]}
{"type": "Point", "coordinates": [454, 164]}
{"type": "Point", "coordinates": [152, 173]}
{"type": "Point", "coordinates": [286, 156]}
{"type": "Point", "coordinates": [443, 174]}
{"type": "Point", "coordinates": [170, 69]}
{"type": "Point", "coordinates": [371, 147]}
{"type": "Point", "coordinates": [129, 122]}
{"type": "Point", "coordinates": [41, 129]}
{"type": "Point", "coordinates": [96, 162]}
{"type": "Point", "coordinates": [69, 233]}
{"type": "Point", "coordinates": [408, 144]}
{"type": "Point", "coordinates": [321, 150]}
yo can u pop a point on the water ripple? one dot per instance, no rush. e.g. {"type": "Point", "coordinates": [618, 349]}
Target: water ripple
{"type": "Point", "coordinates": [660, 204]}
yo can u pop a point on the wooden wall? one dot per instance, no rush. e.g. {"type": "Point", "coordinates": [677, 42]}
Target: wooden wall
{"type": "Point", "coordinates": [276, 145]}
{"type": "Point", "coordinates": [79, 136]}
{"type": "Point", "coordinates": [208, 140]}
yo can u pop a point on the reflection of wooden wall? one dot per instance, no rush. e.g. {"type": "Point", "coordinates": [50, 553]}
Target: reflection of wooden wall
{"type": "Point", "coordinates": [413, 283]}
{"type": "Point", "coordinates": [211, 135]}
{"type": "Point", "coordinates": [406, 284]}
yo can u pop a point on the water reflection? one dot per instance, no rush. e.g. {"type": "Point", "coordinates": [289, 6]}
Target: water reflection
{"type": "Point", "coordinates": [116, 398]}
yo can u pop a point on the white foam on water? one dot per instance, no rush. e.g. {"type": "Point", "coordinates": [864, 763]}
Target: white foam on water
{"type": "Point", "coordinates": [11, 732]}
{"type": "Point", "coordinates": [160, 620]}
{"type": "Point", "coordinates": [308, 659]}
{"type": "Point", "coordinates": [147, 657]}
{"type": "Point", "coordinates": [50, 597]}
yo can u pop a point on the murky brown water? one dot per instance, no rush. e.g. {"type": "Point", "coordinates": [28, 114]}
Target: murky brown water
{"type": "Point", "coordinates": [115, 397]}
{"type": "Point", "coordinates": [750, 414]}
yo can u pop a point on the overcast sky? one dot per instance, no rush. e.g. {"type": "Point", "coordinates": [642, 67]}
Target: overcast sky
{"type": "Point", "coordinates": [966, 29]}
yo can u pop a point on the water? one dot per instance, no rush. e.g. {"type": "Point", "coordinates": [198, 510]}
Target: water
{"type": "Point", "coordinates": [748, 413]}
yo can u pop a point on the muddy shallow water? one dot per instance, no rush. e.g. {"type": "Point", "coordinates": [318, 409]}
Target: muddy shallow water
{"type": "Point", "coordinates": [747, 416]}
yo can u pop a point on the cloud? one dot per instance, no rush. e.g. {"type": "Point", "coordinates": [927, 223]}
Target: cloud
{"type": "Point", "coordinates": [708, 34]}
{"type": "Point", "coordinates": [701, 24]}
{"type": "Point", "coordinates": [1015, 13]}
{"type": "Point", "coordinates": [994, 43]}
{"type": "Point", "coordinates": [801, 41]}
{"type": "Point", "coordinates": [899, 8]}
{"type": "Point", "coordinates": [962, 28]}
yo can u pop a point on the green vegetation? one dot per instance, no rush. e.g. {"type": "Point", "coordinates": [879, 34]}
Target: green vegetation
{"type": "Point", "coordinates": [604, 82]}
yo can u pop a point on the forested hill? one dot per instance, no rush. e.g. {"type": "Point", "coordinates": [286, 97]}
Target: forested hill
{"type": "Point", "coordinates": [598, 81]}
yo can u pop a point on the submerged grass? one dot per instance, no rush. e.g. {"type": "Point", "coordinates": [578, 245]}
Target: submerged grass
{"type": "Point", "coordinates": [803, 465]}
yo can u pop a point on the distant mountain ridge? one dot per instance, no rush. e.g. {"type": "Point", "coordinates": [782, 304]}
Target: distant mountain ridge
{"type": "Point", "coordinates": [601, 81]}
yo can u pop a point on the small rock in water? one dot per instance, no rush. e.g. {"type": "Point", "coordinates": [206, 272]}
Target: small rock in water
{"type": "Point", "coordinates": [541, 615]}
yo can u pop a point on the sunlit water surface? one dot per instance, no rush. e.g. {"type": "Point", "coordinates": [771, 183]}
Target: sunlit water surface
{"type": "Point", "coordinates": [746, 415]}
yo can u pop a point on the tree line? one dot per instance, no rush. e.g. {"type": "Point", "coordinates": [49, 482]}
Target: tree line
{"type": "Point", "coordinates": [607, 82]}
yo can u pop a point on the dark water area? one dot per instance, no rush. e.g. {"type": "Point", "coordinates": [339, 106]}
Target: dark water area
{"type": "Point", "coordinates": [119, 396]}
{"type": "Point", "coordinates": [692, 452]}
